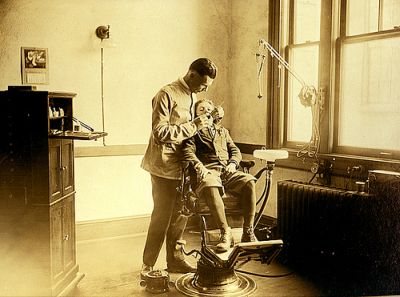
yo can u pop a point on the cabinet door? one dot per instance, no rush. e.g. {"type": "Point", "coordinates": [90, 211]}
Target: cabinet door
{"type": "Point", "coordinates": [56, 241]}
{"type": "Point", "coordinates": [55, 169]}
{"type": "Point", "coordinates": [67, 166]}
{"type": "Point", "coordinates": [69, 255]}
{"type": "Point", "coordinates": [61, 168]}
{"type": "Point", "coordinates": [63, 254]}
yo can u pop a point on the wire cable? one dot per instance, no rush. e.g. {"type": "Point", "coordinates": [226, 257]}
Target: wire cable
{"type": "Point", "coordinates": [260, 274]}
{"type": "Point", "coordinates": [264, 274]}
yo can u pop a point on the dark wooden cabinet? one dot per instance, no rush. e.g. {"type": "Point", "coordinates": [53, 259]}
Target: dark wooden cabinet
{"type": "Point", "coordinates": [37, 193]}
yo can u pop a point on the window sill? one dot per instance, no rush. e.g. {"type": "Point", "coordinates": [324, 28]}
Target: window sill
{"type": "Point", "coordinates": [341, 164]}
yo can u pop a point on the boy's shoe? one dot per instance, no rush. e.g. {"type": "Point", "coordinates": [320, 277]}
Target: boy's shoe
{"type": "Point", "coordinates": [248, 235]}
{"type": "Point", "coordinates": [225, 241]}
{"type": "Point", "coordinates": [145, 270]}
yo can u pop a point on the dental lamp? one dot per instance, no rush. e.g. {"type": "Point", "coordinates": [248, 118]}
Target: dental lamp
{"type": "Point", "coordinates": [308, 96]}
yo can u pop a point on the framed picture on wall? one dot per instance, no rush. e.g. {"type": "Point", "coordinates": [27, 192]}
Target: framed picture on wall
{"type": "Point", "coordinates": [34, 65]}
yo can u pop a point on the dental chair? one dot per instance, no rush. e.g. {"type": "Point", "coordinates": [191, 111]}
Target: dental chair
{"type": "Point", "coordinates": [215, 274]}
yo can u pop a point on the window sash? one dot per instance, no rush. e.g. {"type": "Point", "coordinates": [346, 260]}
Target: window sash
{"type": "Point", "coordinates": [368, 102]}
{"type": "Point", "coordinates": [298, 123]}
{"type": "Point", "coordinates": [370, 16]}
{"type": "Point", "coordinates": [306, 13]}
{"type": "Point", "coordinates": [302, 54]}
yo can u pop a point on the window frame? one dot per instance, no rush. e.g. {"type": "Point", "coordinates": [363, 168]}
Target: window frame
{"type": "Point", "coordinates": [332, 35]}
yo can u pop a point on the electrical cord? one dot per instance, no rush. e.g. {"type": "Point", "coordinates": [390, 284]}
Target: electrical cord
{"type": "Point", "coordinates": [312, 178]}
{"type": "Point", "coordinates": [309, 97]}
{"type": "Point", "coordinates": [261, 274]}
{"type": "Point", "coordinates": [264, 275]}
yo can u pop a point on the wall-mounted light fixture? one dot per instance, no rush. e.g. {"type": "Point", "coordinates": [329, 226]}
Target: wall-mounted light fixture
{"type": "Point", "coordinates": [103, 32]}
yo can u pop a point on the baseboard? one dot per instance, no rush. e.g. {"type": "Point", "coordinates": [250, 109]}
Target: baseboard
{"type": "Point", "coordinates": [130, 226]}
{"type": "Point", "coordinates": [115, 227]}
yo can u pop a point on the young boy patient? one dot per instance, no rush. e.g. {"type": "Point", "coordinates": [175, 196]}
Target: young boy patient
{"type": "Point", "coordinates": [215, 158]}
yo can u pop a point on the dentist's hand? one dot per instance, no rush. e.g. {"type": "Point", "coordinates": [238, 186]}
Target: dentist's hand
{"type": "Point", "coordinates": [218, 113]}
{"type": "Point", "coordinates": [202, 121]}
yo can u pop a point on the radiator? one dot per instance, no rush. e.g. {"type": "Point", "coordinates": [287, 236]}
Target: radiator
{"type": "Point", "coordinates": [321, 224]}
{"type": "Point", "coordinates": [341, 235]}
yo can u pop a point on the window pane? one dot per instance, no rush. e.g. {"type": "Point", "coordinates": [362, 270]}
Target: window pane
{"type": "Point", "coordinates": [391, 14]}
{"type": "Point", "coordinates": [362, 16]}
{"type": "Point", "coordinates": [306, 20]}
{"type": "Point", "coordinates": [304, 60]}
{"type": "Point", "coordinates": [369, 115]}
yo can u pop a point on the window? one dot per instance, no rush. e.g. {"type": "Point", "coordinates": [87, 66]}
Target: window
{"type": "Point", "coordinates": [353, 56]}
{"type": "Point", "coordinates": [368, 115]}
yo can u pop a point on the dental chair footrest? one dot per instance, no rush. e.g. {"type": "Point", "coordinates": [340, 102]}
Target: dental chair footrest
{"type": "Point", "coordinates": [259, 245]}
{"type": "Point", "coordinates": [264, 251]}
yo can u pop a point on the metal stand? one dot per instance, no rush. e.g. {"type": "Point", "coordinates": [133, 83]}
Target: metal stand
{"type": "Point", "coordinates": [242, 286]}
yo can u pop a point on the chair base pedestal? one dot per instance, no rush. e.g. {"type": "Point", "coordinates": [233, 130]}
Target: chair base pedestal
{"type": "Point", "coordinates": [215, 281]}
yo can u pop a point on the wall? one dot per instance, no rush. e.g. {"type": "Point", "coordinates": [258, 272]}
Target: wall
{"type": "Point", "coordinates": [247, 113]}
{"type": "Point", "coordinates": [155, 42]}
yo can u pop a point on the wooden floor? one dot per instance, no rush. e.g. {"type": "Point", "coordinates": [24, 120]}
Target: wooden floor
{"type": "Point", "coordinates": [111, 267]}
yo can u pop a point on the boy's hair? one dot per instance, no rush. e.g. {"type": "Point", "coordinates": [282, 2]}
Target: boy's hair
{"type": "Point", "coordinates": [216, 117]}
{"type": "Point", "coordinates": [201, 101]}
{"type": "Point", "coordinates": [204, 66]}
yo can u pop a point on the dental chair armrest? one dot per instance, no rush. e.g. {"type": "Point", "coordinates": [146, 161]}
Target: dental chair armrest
{"type": "Point", "coordinates": [247, 163]}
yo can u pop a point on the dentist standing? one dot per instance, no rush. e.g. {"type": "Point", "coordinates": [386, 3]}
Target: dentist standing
{"type": "Point", "coordinates": [173, 121]}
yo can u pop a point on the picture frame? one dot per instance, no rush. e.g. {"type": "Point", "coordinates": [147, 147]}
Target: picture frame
{"type": "Point", "coordinates": [34, 65]}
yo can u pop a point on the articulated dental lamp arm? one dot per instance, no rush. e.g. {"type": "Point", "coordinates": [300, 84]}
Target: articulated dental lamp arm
{"type": "Point", "coordinates": [308, 94]}
{"type": "Point", "coordinates": [274, 53]}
